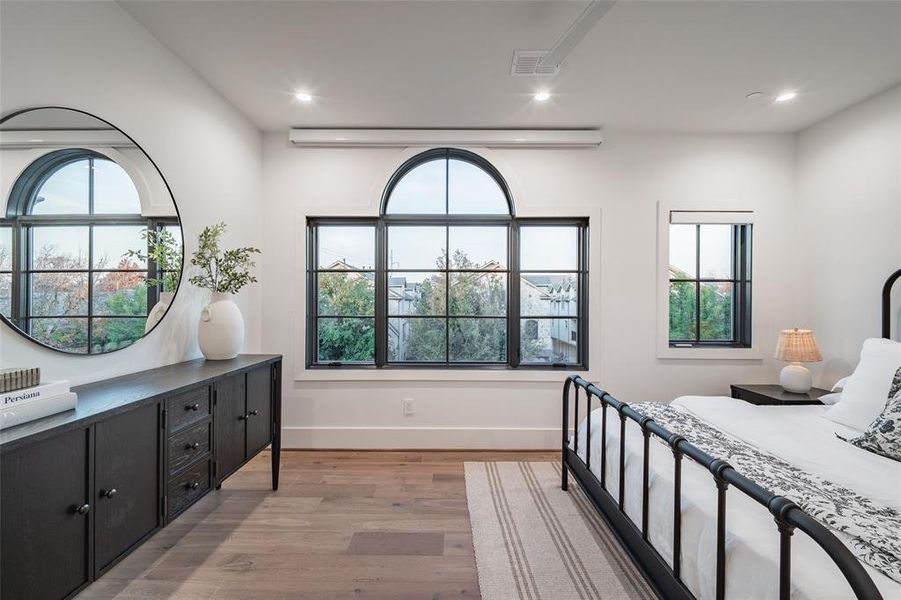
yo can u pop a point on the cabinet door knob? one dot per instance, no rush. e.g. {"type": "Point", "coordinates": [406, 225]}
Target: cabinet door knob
{"type": "Point", "coordinates": [242, 417]}
{"type": "Point", "coordinates": [192, 486]}
{"type": "Point", "coordinates": [194, 406]}
{"type": "Point", "coordinates": [253, 413]}
{"type": "Point", "coordinates": [193, 446]}
{"type": "Point", "coordinates": [110, 493]}
{"type": "Point", "coordinates": [83, 509]}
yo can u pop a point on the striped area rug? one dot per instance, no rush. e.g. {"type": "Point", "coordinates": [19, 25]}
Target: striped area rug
{"type": "Point", "coordinates": [535, 541]}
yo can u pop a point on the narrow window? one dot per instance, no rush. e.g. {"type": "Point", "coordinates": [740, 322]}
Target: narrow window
{"type": "Point", "coordinates": [710, 279]}
{"type": "Point", "coordinates": [345, 294]}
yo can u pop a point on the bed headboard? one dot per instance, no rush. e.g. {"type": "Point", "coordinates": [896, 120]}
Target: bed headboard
{"type": "Point", "coordinates": [887, 304]}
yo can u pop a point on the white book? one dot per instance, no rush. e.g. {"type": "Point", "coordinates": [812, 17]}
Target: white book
{"type": "Point", "coordinates": [17, 414]}
{"type": "Point", "coordinates": [32, 394]}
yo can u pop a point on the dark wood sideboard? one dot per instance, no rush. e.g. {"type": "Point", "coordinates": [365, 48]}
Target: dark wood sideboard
{"type": "Point", "coordinates": [80, 490]}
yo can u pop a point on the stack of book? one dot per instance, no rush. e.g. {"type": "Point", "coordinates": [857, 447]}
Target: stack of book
{"type": "Point", "coordinates": [21, 402]}
{"type": "Point", "coordinates": [16, 379]}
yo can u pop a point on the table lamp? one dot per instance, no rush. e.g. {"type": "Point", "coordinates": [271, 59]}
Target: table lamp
{"type": "Point", "coordinates": [797, 346]}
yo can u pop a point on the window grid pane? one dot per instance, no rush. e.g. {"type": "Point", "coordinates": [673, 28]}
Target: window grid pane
{"type": "Point", "coordinates": [473, 285]}
{"type": "Point", "coordinates": [344, 293]}
{"type": "Point", "coordinates": [713, 308]}
{"type": "Point", "coordinates": [421, 327]}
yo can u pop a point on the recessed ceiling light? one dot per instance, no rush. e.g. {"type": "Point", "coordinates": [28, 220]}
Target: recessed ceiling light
{"type": "Point", "coordinates": [303, 96]}
{"type": "Point", "coordinates": [542, 96]}
{"type": "Point", "coordinates": [786, 96]}
{"type": "Point", "coordinates": [754, 95]}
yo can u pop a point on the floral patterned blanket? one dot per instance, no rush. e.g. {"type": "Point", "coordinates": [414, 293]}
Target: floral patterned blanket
{"type": "Point", "coordinates": [875, 530]}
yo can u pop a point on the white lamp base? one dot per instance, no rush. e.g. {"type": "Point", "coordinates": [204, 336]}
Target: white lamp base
{"type": "Point", "coordinates": [796, 379]}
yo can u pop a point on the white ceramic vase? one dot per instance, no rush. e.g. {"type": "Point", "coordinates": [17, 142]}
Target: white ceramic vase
{"type": "Point", "coordinates": [220, 332]}
{"type": "Point", "coordinates": [159, 310]}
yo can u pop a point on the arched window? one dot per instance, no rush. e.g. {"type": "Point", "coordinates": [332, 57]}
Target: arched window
{"type": "Point", "coordinates": [447, 182]}
{"type": "Point", "coordinates": [72, 219]}
{"type": "Point", "coordinates": [444, 275]}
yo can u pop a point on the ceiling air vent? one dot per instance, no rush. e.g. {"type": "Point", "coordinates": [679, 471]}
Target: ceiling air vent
{"type": "Point", "coordinates": [528, 62]}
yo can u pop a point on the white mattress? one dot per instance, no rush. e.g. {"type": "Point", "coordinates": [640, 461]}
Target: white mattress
{"type": "Point", "coordinates": [799, 435]}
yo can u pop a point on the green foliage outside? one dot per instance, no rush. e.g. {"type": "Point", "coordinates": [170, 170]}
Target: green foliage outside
{"type": "Point", "coordinates": [164, 250]}
{"type": "Point", "coordinates": [470, 339]}
{"type": "Point", "coordinates": [716, 312]}
{"type": "Point", "coordinates": [348, 340]}
{"type": "Point", "coordinates": [108, 334]}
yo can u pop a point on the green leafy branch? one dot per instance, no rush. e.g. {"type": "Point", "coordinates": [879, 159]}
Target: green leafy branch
{"type": "Point", "coordinates": [165, 252]}
{"type": "Point", "coordinates": [224, 271]}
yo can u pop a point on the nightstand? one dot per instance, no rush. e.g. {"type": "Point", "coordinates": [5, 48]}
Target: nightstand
{"type": "Point", "coordinates": [770, 394]}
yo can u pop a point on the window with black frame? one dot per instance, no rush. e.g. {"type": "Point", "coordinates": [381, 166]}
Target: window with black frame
{"type": "Point", "coordinates": [74, 225]}
{"type": "Point", "coordinates": [447, 276]}
{"type": "Point", "coordinates": [710, 279]}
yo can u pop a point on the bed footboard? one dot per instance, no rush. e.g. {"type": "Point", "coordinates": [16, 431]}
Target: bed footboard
{"type": "Point", "coordinates": [666, 577]}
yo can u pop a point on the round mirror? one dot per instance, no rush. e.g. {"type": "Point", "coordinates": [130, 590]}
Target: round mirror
{"type": "Point", "coordinates": [90, 240]}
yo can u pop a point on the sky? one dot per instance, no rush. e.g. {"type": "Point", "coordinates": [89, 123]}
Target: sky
{"type": "Point", "coordinates": [716, 250]}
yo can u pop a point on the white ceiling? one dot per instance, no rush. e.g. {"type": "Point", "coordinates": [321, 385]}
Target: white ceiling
{"type": "Point", "coordinates": [672, 65]}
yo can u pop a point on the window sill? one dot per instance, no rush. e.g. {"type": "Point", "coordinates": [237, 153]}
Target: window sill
{"type": "Point", "coordinates": [701, 353]}
{"type": "Point", "coordinates": [477, 375]}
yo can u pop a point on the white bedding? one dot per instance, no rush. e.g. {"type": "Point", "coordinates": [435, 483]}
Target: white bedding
{"type": "Point", "coordinates": [800, 435]}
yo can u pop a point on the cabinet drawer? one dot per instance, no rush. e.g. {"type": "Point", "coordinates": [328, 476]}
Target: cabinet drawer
{"type": "Point", "coordinates": [188, 445]}
{"type": "Point", "coordinates": [188, 487]}
{"type": "Point", "coordinates": [188, 408]}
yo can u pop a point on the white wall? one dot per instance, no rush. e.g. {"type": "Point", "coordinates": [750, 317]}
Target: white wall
{"type": "Point", "coordinates": [849, 225]}
{"type": "Point", "coordinates": [623, 182]}
{"type": "Point", "coordinates": [826, 232]}
{"type": "Point", "coordinates": [95, 57]}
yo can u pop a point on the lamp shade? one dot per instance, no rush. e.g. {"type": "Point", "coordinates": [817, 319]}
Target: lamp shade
{"type": "Point", "coordinates": [798, 345]}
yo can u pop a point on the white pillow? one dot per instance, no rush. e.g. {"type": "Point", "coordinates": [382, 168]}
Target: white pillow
{"type": "Point", "coordinates": [865, 393]}
{"type": "Point", "coordinates": [830, 399]}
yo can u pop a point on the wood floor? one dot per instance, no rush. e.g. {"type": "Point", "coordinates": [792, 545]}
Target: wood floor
{"type": "Point", "coordinates": [342, 525]}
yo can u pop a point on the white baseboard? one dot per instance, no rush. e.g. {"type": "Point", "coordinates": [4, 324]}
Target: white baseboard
{"type": "Point", "coordinates": [391, 438]}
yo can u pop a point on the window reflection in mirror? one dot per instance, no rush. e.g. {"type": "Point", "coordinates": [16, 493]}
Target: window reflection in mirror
{"type": "Point", "coordinates": [90, 238]}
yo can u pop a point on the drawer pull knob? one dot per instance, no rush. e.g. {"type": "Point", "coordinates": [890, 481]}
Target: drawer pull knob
{"type": "Point", "coordinates": [193, 446]}
{"type": "Point", "coordinates": [192, 486]}
{"type": "Point", "coordinates": [194, 406]}
{"type": "Point", "coordinates": [83, 509]}
{"type": "Point", "coordinates": [110, 493]}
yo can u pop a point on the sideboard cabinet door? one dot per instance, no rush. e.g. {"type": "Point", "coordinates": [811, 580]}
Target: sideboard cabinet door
{"type": "Point", "coordinates": [46, 518]}
{"type": "Point", "coordinates": [230, 418]}
{"type": "Point", "coordinates": [259, 409]}
{"type": "Point", "coordinates": [127, 481]}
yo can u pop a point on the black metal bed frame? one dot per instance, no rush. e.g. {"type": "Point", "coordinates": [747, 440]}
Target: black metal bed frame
{"type": "Point", "coordinates": [665, 577]}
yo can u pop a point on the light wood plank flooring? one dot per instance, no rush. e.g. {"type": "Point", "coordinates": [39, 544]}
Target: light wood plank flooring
{"type": "Point", "coordinates": [342, 525]}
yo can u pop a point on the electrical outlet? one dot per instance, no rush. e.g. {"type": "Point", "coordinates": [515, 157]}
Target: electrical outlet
{"type": "Point", "coordinates": [408, 407]}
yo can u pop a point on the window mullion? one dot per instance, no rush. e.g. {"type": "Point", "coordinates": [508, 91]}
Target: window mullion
{"type": "Point", "coordinates": [447, 284]}
{"type": "Point", "coordinates": [312, 295]}
{"type": "Point", "coordinates": [697, 284]}
{"type": "Point", "coordinates": [582, 294]}
{"type": "Point", "coordinates": [513, 308]}
{"type": "Point", "coordinates": [381, 294]}
{"type": "Point", "coordinates": [90, 284]}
